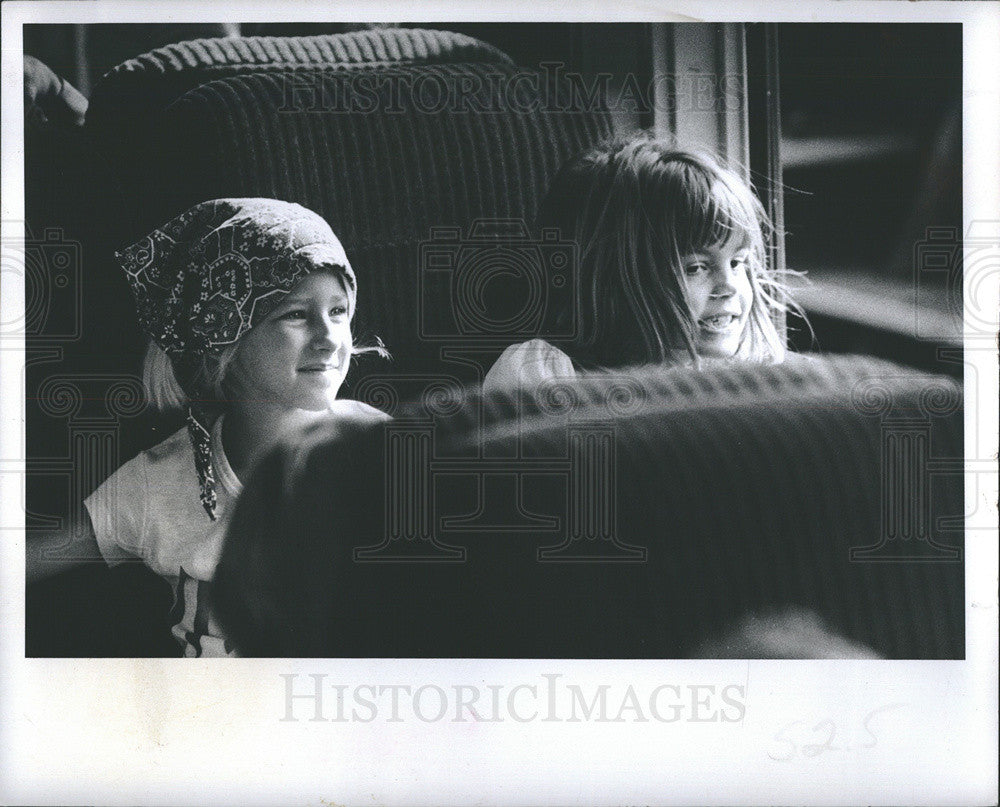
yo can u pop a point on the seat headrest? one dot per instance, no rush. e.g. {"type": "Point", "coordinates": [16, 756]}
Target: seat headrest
{"type": "Point", "coordinates": [152, 80]}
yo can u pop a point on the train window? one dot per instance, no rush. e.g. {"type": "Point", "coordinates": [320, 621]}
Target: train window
{"type": "Point", "coordinates": [871, 139]}
{"type": "Point", "coordinates": [851, 134]}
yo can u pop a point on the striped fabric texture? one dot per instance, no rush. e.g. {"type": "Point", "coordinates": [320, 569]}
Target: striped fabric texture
{"type": "Point", "coordinates": [126, 105]}
{"type": "Point", "coordinates": [152, 80]}
{"type": "Point", "coordinates": [387, 179]}
{"type": "Point", "coordinates": [810, 484]}
{"type": "Point", "coordinates": [637, 516]}
{"type": "Point", "coordinates": [348, 125]}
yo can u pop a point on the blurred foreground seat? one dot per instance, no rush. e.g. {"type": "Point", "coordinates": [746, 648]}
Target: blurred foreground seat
{"type": "Point", "coordinates": [646, 514]}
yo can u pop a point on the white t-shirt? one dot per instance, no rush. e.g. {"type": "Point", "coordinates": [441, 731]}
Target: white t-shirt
{"type": "Point", "coordinates": [526, 365]}
{"type": "Point", "coordinates": [150, 509]}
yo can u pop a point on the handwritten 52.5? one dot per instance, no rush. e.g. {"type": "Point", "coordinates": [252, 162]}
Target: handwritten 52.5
{"type": "Point", "coordinates": [797, 739]}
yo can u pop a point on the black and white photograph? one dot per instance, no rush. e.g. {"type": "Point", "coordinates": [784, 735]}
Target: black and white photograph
{"type": "Point", "coordinates": [438, 405]}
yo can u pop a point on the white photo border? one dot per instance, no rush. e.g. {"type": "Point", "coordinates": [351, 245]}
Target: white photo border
{"type": "Point", "coordinates": [157, 731]}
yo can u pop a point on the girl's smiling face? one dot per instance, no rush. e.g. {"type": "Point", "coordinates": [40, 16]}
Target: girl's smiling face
{"type": "Point", "coordinates": [717, 282]}
{"type": "Point", "coordinates": [297, 358]}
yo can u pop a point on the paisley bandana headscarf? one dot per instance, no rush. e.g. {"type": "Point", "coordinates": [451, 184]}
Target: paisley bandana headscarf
{"type": "Point", "coordinates": [205, 278]}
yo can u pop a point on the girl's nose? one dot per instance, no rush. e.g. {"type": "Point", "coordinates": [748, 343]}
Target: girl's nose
{"type": "Point", "coordinates": [324, 335]}
{"type": "Point", "coordinates": [723, 285]}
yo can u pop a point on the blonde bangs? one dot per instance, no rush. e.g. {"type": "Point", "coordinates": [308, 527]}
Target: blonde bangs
{"type": "Point", "coordinates": [636, 208]}
{"type": "Point", "coordinates": [703, 205]}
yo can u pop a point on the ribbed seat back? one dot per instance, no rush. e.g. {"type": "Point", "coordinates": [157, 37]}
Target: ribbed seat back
{"type": "Point", "coordinates": [138, 87]}
{"type": "Point", "coordinates": [628, 516]}
{"type": "Point", "coordinates": [805, 485]}
{"type": "Point", "coordinates": [125, 123]}
{"type": "Point", "coordinates": [126, 106]}
{"type": "Point", "coordinates": [384, 160]}
{"type": "Point", "coordinates": [349, 125]}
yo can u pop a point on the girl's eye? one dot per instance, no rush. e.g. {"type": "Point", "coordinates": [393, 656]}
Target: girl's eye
{"type": "Point", "coordinates": [692, 269]}
{"type": "Point", "coordinates": [740, 260]}
{"type": "Point", "coordinates": [297, 313]}
{"type": "Point", "coordinates": [338, 311]}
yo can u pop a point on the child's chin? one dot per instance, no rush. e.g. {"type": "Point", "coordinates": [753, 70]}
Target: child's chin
{"type": "Point", "coordinates": [718, 350]}
{"type": "Point", "coordinates": [319, 403]}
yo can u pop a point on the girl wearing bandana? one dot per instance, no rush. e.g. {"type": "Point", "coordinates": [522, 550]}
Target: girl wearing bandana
{"type": "Point", "coordinates": [248, 303]}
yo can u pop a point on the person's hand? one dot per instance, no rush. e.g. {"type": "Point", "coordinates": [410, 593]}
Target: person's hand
{"type": "Point", "coordinates": [51, 97]}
